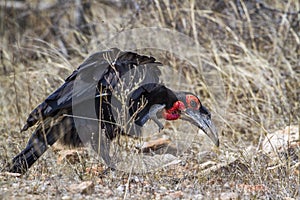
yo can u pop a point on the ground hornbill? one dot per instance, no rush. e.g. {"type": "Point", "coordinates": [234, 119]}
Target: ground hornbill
{"type": "Point", "coordinates": [88, 94]}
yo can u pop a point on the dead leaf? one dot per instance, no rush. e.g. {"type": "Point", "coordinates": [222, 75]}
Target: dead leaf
{"type": "Point", "coordinates": [154, 145]}
{"type": "Point", "coordinates": [71, 155]}
{"type": "Point", "coordinates": [253, 188]}
{"type": "Point", "coordinates": [95, 170]}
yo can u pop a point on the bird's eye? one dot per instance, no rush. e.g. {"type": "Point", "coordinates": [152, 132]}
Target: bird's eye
{"type": "Point", "coordinates": [192, 102]}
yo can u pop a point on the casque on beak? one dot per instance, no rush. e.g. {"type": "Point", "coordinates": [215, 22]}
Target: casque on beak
{"type": "Point", "coordinates": [202, 121]}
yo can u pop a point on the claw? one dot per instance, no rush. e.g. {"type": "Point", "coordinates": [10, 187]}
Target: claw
{"type": "Point", "coordinates": [152, 115]}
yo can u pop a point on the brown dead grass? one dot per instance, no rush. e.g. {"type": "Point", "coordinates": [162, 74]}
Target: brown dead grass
{"type": "Point", "coordinates": [255, 50]}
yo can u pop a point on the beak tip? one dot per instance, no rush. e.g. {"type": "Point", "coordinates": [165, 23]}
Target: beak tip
{"type": "Point", "coordinates": [205, 124]}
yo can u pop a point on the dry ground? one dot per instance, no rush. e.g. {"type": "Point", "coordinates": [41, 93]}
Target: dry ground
{"type": "Point", "coordinates": [253, 45]}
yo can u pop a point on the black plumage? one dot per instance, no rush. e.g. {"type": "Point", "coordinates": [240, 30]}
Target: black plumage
{"type": "Point", "coordinates": [100, 72]}
{"type": "Point", "coordinates": [85, 109]}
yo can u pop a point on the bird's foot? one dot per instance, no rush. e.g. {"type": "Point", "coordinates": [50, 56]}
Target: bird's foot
{"type": "Point", "coordinates": [160, 125]}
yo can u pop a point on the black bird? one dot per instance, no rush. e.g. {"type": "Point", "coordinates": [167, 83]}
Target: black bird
{"type": "Point", "coordinates": [86, 105]}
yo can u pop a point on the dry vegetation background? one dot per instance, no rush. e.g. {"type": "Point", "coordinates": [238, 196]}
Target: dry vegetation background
{"type": "Point", "coordinates": [255, 45]}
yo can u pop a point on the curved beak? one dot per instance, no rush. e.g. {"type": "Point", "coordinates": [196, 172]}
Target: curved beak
{"type": "Point", "coordinates": [202, 121]}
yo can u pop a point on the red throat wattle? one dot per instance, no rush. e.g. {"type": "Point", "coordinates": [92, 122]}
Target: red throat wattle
{"type": "Point", "coordinates": [174, 112]}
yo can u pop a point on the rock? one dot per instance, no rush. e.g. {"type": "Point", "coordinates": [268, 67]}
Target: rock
{"type": "Point", "coordinates": [280, 141]}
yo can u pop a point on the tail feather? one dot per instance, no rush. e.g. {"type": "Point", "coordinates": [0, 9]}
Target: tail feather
{"type": "Point", "coordinates": [24, 160]}
{"type": "Point", "coordinates": [39, 142]}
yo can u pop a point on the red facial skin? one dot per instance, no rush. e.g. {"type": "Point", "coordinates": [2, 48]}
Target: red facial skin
{"type": "Point", "coordinates": [173, 113]}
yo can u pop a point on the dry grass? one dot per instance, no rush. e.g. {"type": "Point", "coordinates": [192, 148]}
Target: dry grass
{"type": "Point", "coordinates": [254, 49]}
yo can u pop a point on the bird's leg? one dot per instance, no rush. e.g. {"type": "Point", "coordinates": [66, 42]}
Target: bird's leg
{"type": "Point", "coordinates": [152, 114]}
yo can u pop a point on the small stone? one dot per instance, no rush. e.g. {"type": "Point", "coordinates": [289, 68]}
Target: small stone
{"type": "Point", "coordinates": [11, 174]}
{"type": "Point", "coordinates": [176, 195]}
{"type": "Point", "coordinates": [108, 193]}
{"type": "Point", "coordinates": [121, 188]}
{"type": "Point", "coordinates": [86, 187]}
{"type": "Point", "coordinates": [66, 198]}
{"type": "Point", "coordinates": [228, 196]}
{"type": "Point", "coordinates": [163, 189]}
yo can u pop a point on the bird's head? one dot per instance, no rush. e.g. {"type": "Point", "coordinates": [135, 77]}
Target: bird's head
{"type": "Point", "coordinates": [188, 107]}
